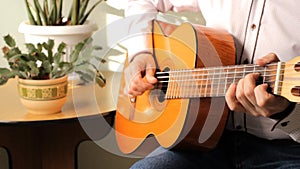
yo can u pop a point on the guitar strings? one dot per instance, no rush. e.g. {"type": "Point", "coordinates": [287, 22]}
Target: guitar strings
{"type": "Point", "coordinates": [206, 75]}
{"type": "Point", "coordinates": [216, 80]}
{"type": "Point", "coordinates": [183, 73]}
{"type": "Point", "coordinates": [235, 69]}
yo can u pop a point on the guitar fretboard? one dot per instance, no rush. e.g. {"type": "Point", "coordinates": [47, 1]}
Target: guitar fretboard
{"type": "Point", "coordinates": [213, 82]}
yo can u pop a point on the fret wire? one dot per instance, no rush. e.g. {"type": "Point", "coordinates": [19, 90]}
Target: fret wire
{"type": "Point", "coordinates": [195, 86]}
{"type": "Point", "coordinates": [190, 82]}
{"type": "Point", "coordinates": [264, 77]}
{"type": "Point", "coordinates": [172, 85]}
{"type": "Point", "coordinates": [219, 82]}
{"type": "Point", "coordinates": [212, 77]}
{"type": "Point", "coordinates": [234, 75]}
{"type": "Point", "coordinates": [182, 89]}
{"type": "Point", "coordinates": [244, 69]}
{"type": "Point", "coordinates": [205, 91]}
{"type": "Point", "coordinates": [176, 85]}
{"type": "Point", "coordinates": [226, 78]}
{"type": "Point", "coordinates": [178, 93]}
{"type": "Point", "coordinates": [169, 84]}
{"type": "Point", "coordinates": [201, 83]}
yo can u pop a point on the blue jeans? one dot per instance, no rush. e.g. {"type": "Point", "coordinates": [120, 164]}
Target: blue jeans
{"type": "Point", "coordinates": [235, 150]}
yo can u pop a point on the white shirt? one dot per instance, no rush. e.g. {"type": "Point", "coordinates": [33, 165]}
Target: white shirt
{"type": "Point", "coordinates": [258, 27]}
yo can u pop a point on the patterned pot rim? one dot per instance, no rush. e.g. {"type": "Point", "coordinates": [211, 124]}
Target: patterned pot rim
{"type": "Point", "coordinates": [43, 90]}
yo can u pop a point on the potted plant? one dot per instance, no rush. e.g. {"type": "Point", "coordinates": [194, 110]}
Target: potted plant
{"type": "Point", "coordinates": [47, 21]}
{"type": "Point", "coordinates": [42, 73]}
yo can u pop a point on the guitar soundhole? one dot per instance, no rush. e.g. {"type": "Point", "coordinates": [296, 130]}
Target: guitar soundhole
{"type": "Point", "coordinates": [164, 85]}
{"type": "Point", "coordinates": [297, 67]}
{"type": "Point", "coordinates": [296, 91]}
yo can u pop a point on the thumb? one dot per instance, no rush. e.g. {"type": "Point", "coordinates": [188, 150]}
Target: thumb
{"type": "Point", "coordinates": [150, 76]}
{"type": "Point", "coordinates": [269, 58]}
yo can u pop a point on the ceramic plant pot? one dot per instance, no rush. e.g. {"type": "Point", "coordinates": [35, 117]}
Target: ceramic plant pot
{"type": "Point", "coordinates": [69, 34]}
{"type": "Point", "coordinates": [43, 96]}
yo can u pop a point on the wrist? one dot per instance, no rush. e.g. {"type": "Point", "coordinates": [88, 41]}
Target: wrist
{"type": "Point", "coordinates": [285, 113]}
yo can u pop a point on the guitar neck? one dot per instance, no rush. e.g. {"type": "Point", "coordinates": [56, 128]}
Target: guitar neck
{"type": "Point", "coordinates": [214, 81]}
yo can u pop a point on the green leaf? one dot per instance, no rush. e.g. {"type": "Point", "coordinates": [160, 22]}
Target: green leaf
{"type": "Point", "coordinates": [46, 12]}
{"type": "Point", "coordinates": [47, 66]}
{"type": "Point", "coordinates": [57, 58]}
{"type": "Point", "coordinates": [41, 15]}
{"type": "Point", "coordinates": [53, 13]}
{"type": "Point", "coordinates": [5, 74]}
{"type": "Point", "coordinates": [83, 19]}
{"type": "Point", "coordinates": [67, 67]}
{"type": "Point", "coordinates": [34, 70]}
{"type": "Point", "coordinates": [61, 47]}
{"type": "Point", "coordinates": [39, 47]}
{"type": "Point", "coordinates": [31, 48]}
{"type": "Point", "coordinates": [38, 17]}
{"type": "Point", "coordinates": [29, 12]}
{"type": "Point", "coordinates": [86, 75]}
{"type": "Point", "coordinates": [10, 41]}
{"type": "Point", "coordinates": [11, 53]}
{"type": "Point", "coordinates": [50, 44]}
{"type": "Point", "coordinates": [49, 47]}
{"type": "Point", "coordinates": [100, 79]}
{"type": "Point", "coordinates": [83, 6]}
{"type": "Point", "coordinates": [75, 12]}
{"type": "Point", "coordinates": [59, 9]}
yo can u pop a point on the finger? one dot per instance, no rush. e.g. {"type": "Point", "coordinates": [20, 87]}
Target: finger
{"type": "Point", "coordinates": [249, 86]}
{"type": "Point", "coordinates": [241, 97]}
{"type": "Point", "coordinates": [150, 71]}
{"type": "Point", "coordinates": [270, 103]}
{"type": "Point", "coordinates": [139, 85]}
{"type": "Point", "coordinates": [231, 100]}
{"type": "Point", "coordinates": [263, 97]}
{"type": "Point", "coordinates": [136, 87]}
{"type": "Point", "coordinates": [269, 58]}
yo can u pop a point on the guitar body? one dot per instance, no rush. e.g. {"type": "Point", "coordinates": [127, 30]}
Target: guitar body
{"type": "Point", "coordinates": [187, 122]}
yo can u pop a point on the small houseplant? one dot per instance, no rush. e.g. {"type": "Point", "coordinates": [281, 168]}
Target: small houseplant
{"type": "Point", "coordinates": [47, 21]}
{"type": "Point", "coordinates": [50, 12]}
{"type": "Point", "coordinates": [43, 64]}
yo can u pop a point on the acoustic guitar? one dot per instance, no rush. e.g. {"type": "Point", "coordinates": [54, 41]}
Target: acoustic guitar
{"type": "Point", "coordinates": [187, 109]}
